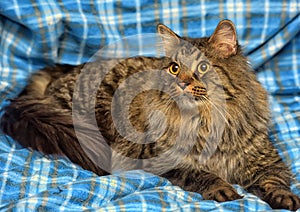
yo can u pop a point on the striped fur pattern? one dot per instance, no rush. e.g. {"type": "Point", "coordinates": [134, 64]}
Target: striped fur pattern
{"type": "Point", "coordinates": [211, 130]}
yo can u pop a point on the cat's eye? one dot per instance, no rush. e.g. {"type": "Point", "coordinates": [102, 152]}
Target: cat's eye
{"type": "Point", "coordinates": [174, 69]}
{"type": "Point", "coordinates": [203, 67]}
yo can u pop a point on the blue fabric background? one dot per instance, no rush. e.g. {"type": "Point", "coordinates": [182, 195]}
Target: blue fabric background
{"type": "Point", "coordinates": [38, 33]}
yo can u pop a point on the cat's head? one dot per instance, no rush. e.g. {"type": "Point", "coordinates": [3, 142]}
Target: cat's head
{"type": "Point", "coordinates": [193, 61]}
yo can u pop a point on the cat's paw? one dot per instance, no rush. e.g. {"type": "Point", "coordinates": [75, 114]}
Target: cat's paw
{"type": "Point", "coordinates": [221, 194]}
{"type": "Point", "coordinates": [282, 199]}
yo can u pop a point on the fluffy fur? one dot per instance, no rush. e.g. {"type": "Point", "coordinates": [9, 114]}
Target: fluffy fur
{"type": "Point", "coordinates": [200, 120]}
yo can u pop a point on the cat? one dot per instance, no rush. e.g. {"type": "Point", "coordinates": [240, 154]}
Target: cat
{"type": "Point", "coordinates": [196, 116]}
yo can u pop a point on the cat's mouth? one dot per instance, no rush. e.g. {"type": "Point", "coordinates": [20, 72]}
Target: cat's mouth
{"type": "Point", "coordinates": [197, 93]}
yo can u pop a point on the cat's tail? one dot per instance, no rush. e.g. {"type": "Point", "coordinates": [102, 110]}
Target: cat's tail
{"type": "Point", "coordinates": [38, 123]}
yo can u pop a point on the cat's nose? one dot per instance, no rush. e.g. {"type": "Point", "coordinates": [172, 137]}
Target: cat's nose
{"type": "Point", "coordinates": [183, 85]}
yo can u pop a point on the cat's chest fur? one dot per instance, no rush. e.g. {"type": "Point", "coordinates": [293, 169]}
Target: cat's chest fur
{"type": "Point", "coordinates": [198, 150]}
{"type": "Point", "coordinates": [199, 142]}
{"type": "Point", "coordinates": [189, 141]}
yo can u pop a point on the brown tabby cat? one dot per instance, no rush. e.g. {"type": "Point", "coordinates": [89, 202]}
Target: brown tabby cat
{"type": "Point", "coordinates": [197, 117]}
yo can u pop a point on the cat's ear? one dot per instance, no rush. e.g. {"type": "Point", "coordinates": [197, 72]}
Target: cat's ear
{"type": "Point", "coordinates": [224, 39]}
{"type": "Point", "coordinates": [170, 39]}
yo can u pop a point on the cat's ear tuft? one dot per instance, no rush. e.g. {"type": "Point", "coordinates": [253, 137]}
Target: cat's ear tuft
{"type": "Point", "coordinates": [224, 39]}
{"type": "Point", "coordinates": [170, 39]}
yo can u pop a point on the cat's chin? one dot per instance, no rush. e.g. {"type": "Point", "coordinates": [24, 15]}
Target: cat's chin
{"type": "Point", "coordinates": [188, 103]}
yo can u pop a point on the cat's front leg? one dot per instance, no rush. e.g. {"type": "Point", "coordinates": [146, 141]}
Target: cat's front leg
{"type": "Point", "coordinates": [273, 186]}
{"type": "Point", "coordinates": [282, 198]}
{"type": "Point", "coordinates": [209, 185]}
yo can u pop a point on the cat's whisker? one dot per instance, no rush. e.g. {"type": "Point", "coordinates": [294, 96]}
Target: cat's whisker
{"type": "Point", "coordinates": [217, 109]}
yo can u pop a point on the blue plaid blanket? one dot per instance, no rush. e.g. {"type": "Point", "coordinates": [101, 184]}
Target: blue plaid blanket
{"type": "Point", "coordinates": [38, 33]}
